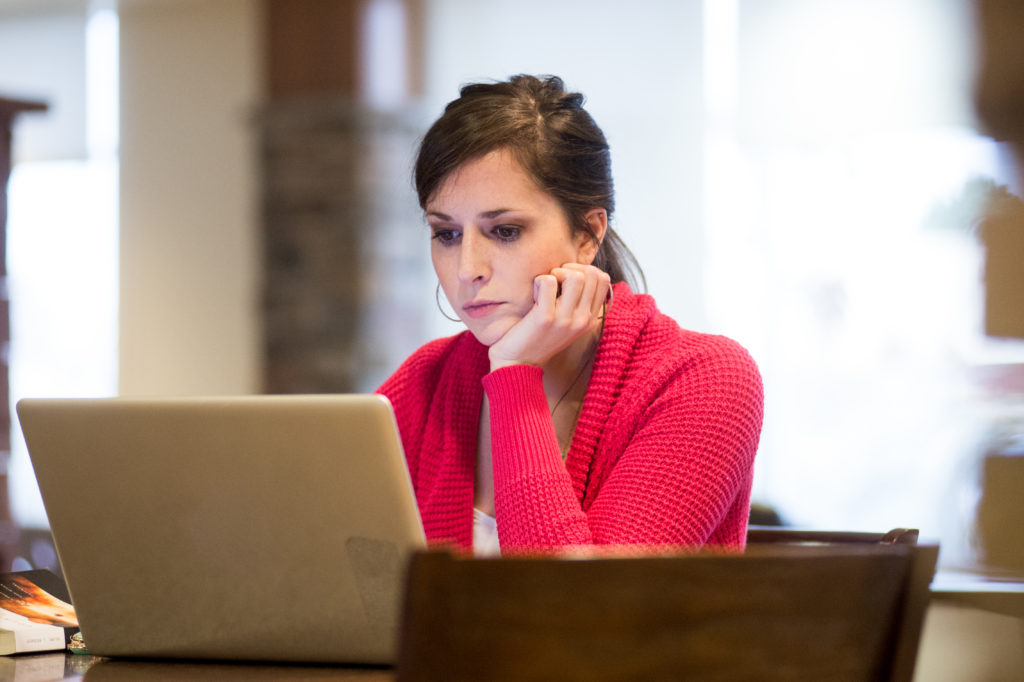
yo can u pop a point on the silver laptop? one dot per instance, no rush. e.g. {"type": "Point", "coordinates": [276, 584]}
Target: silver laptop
{"type": "Point", "coordinates": [269, 528]}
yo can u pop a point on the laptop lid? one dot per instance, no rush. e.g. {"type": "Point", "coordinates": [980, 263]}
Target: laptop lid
{"type": "Point", "coordinates": [256, 528]}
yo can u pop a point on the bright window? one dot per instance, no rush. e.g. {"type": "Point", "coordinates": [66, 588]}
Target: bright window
{"type": "Point", "coordinates": [62, 259]}
{"type": "Point", "coordinates": [843, 181]}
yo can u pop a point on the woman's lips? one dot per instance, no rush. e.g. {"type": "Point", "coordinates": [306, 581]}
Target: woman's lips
{"type": "Point", "coordinates": [476, 309]}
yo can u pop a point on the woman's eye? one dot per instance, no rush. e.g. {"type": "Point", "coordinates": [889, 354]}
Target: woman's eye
{"type": "Point", "coordinates": [445, 236]}
{"type": "Point", "coordinates": [507, 233]}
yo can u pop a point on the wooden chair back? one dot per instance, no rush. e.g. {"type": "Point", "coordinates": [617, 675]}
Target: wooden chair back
{"type": "Point", "coordinates": [915, 600]}
{"type": "Point", "coordinates": [775, 612]}
{"type": "Point", "coordinates": [781, 534]}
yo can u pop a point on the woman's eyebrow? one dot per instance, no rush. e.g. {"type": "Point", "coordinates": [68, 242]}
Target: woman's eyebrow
{"type": "Point", "coordinates": [496, 212]}
{"type": "Point", "coordinates": [486, 215]}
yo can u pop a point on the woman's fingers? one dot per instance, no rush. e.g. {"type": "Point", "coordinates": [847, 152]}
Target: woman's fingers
{"type": "Point", "coordinates": [545, 292]}
{"type": "Point", "coordinates": [567, 304]}
{"type": "Point", "coordinates": [587, 285]}
{"type": "Point", "coordinates": [578, 313]}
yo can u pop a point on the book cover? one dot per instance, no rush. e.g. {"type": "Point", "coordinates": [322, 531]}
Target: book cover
{"type": "Point", "coordinates": [35, 613]}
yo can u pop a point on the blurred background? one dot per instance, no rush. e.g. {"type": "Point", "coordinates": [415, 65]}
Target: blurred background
{"type": "Point", "coordinates": [217, 200]}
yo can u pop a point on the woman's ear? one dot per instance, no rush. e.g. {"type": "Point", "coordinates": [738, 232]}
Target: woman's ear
{"type": "Point", "coordinates": [589, 241]}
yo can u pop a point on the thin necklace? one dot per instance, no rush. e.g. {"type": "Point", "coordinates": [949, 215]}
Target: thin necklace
{"type": "Point", "coordinates": [583, 368]}
{"type": "Point", "coordinates": [564, 449]}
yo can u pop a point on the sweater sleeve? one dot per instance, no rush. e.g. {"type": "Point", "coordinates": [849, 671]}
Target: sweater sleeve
{"type": "Point", "coordinates": [676, 472]}
{"type": "Point", "coordinates": [534, 502]}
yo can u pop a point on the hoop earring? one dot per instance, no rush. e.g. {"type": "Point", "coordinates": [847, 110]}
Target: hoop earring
{"type": "Point", "coordinates": [437, 298]}
{"type": "Point", "coordinates": [608, 300]}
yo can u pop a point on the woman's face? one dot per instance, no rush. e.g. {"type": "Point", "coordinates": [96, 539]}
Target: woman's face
{"type": "Point", "coordinates": [492, 232]}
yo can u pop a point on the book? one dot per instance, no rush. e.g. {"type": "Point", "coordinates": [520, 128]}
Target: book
{"type": "Point", "coordinates": [35, 613]}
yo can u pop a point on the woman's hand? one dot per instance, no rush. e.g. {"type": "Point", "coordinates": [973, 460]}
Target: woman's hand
{"type": "Point", "coordinates": [567, 304]}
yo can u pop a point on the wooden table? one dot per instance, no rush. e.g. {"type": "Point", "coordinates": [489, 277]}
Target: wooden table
{"type": "Point", "coordinates": [61, 666]}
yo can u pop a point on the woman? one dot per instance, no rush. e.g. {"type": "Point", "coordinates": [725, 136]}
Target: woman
{"type": "Point", "coordinates": [571, 412]}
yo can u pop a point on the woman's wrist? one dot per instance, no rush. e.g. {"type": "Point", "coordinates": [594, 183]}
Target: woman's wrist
{"type": "Point", "coordinates": [501, 363]}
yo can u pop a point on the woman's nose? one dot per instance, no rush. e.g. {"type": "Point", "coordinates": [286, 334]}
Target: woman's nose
{"type": "Point", "coordinates": [474, 258]}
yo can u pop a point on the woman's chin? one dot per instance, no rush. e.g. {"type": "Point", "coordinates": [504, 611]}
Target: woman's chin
{"type": "Point", "coordinates": [490, 333]}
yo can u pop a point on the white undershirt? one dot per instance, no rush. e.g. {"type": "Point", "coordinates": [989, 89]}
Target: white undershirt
{"type": "Point", "coordinates": [485, 535]}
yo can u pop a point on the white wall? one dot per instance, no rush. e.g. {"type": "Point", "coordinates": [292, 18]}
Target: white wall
{"type": "Point", "coordinates": [190, 84]}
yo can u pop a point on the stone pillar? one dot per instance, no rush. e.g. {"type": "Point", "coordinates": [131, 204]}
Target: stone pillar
{"type": "Point", "coordinates": [342, 234]}
{"type": "Point", "coordinates": [343, 237]}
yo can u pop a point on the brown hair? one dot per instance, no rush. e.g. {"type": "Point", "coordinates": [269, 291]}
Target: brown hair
{"type": "Point", "coordinates": [550, 135]}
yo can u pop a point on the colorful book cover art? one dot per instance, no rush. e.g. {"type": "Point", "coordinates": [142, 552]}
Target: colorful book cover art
{"type": "Point", "coordinates": [20, 595]}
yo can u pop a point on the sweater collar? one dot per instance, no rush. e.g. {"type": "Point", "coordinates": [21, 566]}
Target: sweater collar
{"type": "Point", "coordinates": [624, 321]}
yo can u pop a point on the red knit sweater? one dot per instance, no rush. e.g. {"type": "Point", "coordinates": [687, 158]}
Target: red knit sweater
{"type": "Point", "coordinates": [663, 451]}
